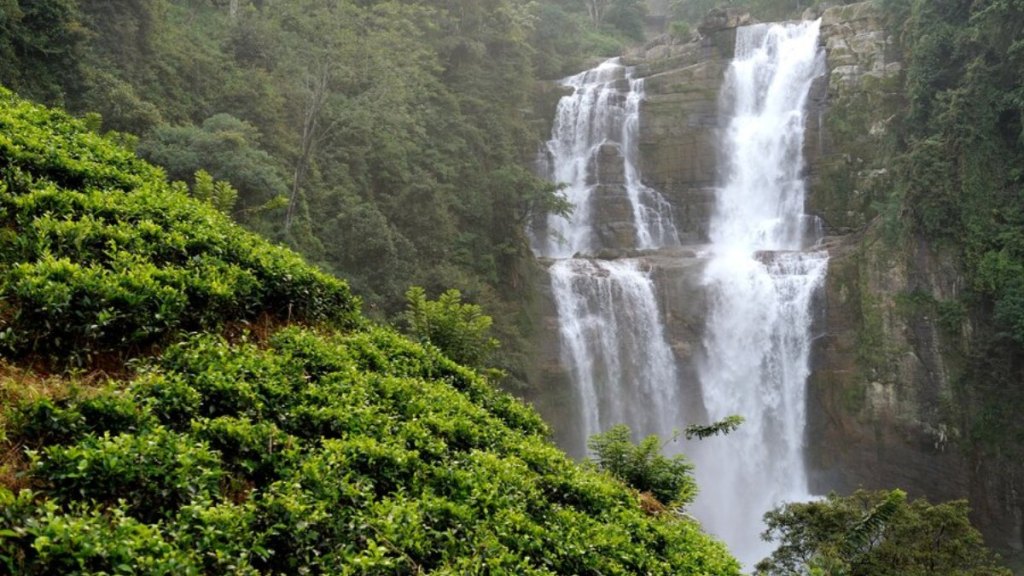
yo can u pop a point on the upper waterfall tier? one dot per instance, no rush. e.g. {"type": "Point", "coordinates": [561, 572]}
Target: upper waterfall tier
{"type": "Point", "coordinates": [761, 202]}
{"type": "Point", "coordinates": [593, 151]}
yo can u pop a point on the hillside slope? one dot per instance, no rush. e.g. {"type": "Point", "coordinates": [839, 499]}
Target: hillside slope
{"type": "Point", "coordinates": [262, 425]}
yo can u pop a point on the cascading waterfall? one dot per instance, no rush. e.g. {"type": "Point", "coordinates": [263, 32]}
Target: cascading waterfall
{"type": "Point", "coordinates": [761, 280]}
{"type": "Point", "coordinates": [612, 339]}
{"type": "Point", "coordinates": [614, 344]}
{"type": "Point", "coordinates": [602, 113]}
{"type": "Point", "coordinates": [652, 214]}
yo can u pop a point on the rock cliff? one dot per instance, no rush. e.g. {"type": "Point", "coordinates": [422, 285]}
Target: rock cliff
{"type": "Point", "coordinates": [678, 134]}
{"type": "Point", "coordinates": [887, 402]}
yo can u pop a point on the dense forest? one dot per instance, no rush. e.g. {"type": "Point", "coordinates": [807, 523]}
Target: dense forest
{"type": "Point", "coordinates": [199, 252]}
{"type": "Point", "coordinates": [390, 143]}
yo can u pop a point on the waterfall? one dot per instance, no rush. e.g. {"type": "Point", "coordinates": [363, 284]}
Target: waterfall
{"type": "Point", "coordinates": [612, 339]}
{"type": "Point", "coordinates": [593, 151]}
{"type": "Point", "coordinates": [761, 280]}
{"type": "Point", "coordinates": [614, 345]}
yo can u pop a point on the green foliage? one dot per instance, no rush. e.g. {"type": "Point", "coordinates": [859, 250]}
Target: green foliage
{"type": "Point", "coordinates": [694, 11]}
{"type": "Point", "coordinates": [385, 141]}
{"type": "Point", "coordinates": [461, 331]}
{"type": "Point", "coordinates": [101, 254]}
{"type": "Point", "coordinates": [224, 148]}
{"type": "Point", "coordinates": [328, 453]}
{"type": "Point", "coordinates": [219, 193]}
{"type": "Point", "coordinates": [40, 47]}
{"type": "Point", "coordinates": [361, 233]}
{"type": "Point", "coordinates": [876, 533]}
{"type": "Point", "coordinates": [44, 539]}
{"type": "Point", "coordinates": [643, 467]}
{"type": "Point", "coordinates": [958, 186]}
{"type": "Point", "coordinates": [154, 472]}
{"type": "Point", "coordinates": [964, 128]}
{"type": "Point", "coordinates": [681, 31]}
{"type": "Point", "coordinates": [691, 10]}
{"type": "Point", "coordinates": [723, 426]}
{"type": "Point", "coordinates": [627, 18]}
{"type": "Point", "coordinates": [49, 422]}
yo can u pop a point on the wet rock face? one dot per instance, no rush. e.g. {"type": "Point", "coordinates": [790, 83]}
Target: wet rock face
{"type": "Point", "coordinates": [848, 120]}
{"type": "Point", "coordinates": [680, 121]}
{"type": "Point", "coordinates": [880, 391]}
{"type": "Point", "coordinates": [858, 48]}
{"type": "Point", "coordinates": [723, 20]}
{"type": "Point", "coordinates": [879, 387]}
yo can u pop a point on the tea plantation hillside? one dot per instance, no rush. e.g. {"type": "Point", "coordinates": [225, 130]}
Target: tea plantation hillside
{"type": "Point", "coordinates": [178, 396]}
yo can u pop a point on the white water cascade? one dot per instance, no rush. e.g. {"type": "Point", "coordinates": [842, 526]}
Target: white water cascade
{"type": "Point", "coordinates": [761, 280]}
{"type": "Point", "coordinates": [594, 125]}
{"type": "Point", "coordinates": [614, 345]}
{"type": "Point", "coordinates": [612, 339]}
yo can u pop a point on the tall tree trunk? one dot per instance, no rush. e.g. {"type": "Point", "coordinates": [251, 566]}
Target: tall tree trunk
{"type": "Point", "coordinates": [316, 84]}
{"type": "Point", "coordinates": [596, 9]}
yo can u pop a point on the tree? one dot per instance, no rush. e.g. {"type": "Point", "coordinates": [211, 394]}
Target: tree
{"type": "Point", "coordinates": [876, 534]}
{"type": "Point", "coordinates": [40, 48]}
{"type": "Point", "coordinates": [226, 148]}
{"type": "Point", "coordinates": [461, 331]}
{"type": "Point", "coordinates": [597, 9]}
{"type": "Point", "coordinates": [625, 15]}
{"type": "Point", "coordinates": [360, 234]}
{"type": "Point", "coordinates": [643, 466]}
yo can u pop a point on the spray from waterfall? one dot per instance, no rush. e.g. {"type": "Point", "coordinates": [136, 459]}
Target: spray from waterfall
{"type": "Point", "coordinates": [761, 281]}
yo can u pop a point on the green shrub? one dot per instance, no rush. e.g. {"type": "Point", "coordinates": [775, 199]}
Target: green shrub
{"type": "Point", "coordinates": [85, 542]}
{"type": "Point", "coordinates": [154, 472]}
{"type": "Point", "coordinates": [220, 537]}
{"type": "Point", "coordinates": [169, 398]}
{"type": "Point", "coordinates": [259, 452]}
{"type": "Point", "coordinates": [331, 453]}
{"type": "Point", "coordinates": [293, 529]}
{"type": "Point", "coordinates": [880, 532]}
{"type": "Point", "coordinates": [461, 331]}
{"type": "Point", "coordinates": [46, 142]}
{"type": "Point", "coordinates": [643, 467]}
{"type": "Point", "coordinates": [681, 31]}
{"type": "Point", "coordinates": [49, 421]}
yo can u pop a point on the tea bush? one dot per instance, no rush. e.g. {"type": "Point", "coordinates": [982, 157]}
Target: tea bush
{"type": "Point", "coordinates": [105, 256]}
{"type": "Point", "coordinates": [319, 452]}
